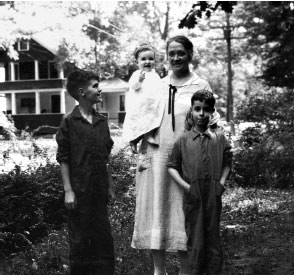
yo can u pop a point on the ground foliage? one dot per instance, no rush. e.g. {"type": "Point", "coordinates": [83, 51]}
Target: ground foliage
{"type": "Point", "coordinates": [256, 227]}
{"type": "Point", "coordinates": [31, 205]}
{"type": "Point", "coordinates": [266, 152]}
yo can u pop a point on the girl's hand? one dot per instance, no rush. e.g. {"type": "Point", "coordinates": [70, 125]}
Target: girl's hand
{"type": "Point", "coordinates": [141, 76]}
{"type": "Point", "coordinates": [70, 200]}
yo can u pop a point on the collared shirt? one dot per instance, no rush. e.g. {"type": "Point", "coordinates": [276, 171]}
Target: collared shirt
{"type": "Point", "coordinates": [85, 147]}
{"type": "Point", "coordinates": [198, 155]}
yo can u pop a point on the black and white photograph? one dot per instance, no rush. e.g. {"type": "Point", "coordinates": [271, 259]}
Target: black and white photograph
{"type": "Point", "coordinates": [147, 137]}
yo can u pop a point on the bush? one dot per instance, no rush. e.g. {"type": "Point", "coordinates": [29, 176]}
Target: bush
{"type": "Point", "coordinates": [44, 130]}
{"type": "Point", "coordinates": [31, 204]}
{"type": "Point", "coordinates": [50, 255]}
{"type": "Point", "coordinates": [32, 217]}
{"type": "Point", "coordinates": [266, 155]}
{"type": "Point", "coordinates": [7, 128]}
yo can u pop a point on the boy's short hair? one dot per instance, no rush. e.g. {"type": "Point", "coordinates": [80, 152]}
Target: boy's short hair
{"type": "Point", "coordinates": [77, 79]}
{"type": "Point", "coordinates": [204, 95]}
{"type": "Point", "coordinates": [144, 47]}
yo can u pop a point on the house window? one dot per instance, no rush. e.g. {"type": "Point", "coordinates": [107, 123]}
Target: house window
{"type": "Point", "coordinates": [122, 103]}
{"type": "Point", "coordinates": [23, 45]}
{"type": "Point", "coordinates": [16, 71]}
{"type": "Point", "coordinates": [7, 73]}
{"type": "Point", "coordinates": [25, 71]}
{"type": "Point", "coordinates": [27, 102]}
{"type": "Point", "coordinates": [53, 73]}
{"type": "Point", "coordinates": [55, 103]}
{"type": "Point", "coordinates": [43, 69]}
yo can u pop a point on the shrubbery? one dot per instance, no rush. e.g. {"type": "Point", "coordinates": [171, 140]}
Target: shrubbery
{"type": "Point", "coordinates": [7, 128]}
{"type": "Point", "coordinates": [266, 157]}
{"type": "Point", "coordinates": [31, 204]}
{"type": "Point", "coordinates": [33, 237]}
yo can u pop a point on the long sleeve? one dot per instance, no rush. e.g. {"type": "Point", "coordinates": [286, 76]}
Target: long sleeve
{"type": "Point", "coordinates": [228, 154]}
{"type": "Point", "coordinates": [175, 157]}
{"type": "Point", "coordinates": [134, 81]}
{"type": "Point", "coordinates": [62, 139]}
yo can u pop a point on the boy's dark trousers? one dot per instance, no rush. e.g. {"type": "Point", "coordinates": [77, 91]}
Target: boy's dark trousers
{"type": "Point", "coordinates": [91, 242]}
{"type": "Point", "coordinates": [202, 207]}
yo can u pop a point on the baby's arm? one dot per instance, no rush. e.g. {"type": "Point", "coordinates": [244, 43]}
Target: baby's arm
{"type": "Point", "coordinates": [70, 200]}
{"type": "Point", "coordinates": [178, 179]}
{"type": "Point", "coordinates": [136, 80]}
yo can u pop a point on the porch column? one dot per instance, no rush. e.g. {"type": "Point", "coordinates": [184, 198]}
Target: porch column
{"type": "Point", "coordinates": [2, 72]}
{"type": "Point", "coordinates": [60, 73]}
{"type": "Point", "coordinates": [62, 101]}
{"type": "Point", "coordinates": [37, 102]}
{"type": "Point", "coordinates": [12, 71]}
{"type": "Point", "coordinates": [13, 103]}
{"type": "Point", "coordinates": [36, 70]}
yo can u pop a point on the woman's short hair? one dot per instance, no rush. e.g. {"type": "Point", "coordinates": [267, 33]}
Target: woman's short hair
{"type": "Point", "coordinates": [144, 47]}
{"type": "Point", "coordinates": [186, 42]}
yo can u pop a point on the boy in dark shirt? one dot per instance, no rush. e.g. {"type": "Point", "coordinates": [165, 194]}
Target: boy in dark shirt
{"type": "Point", "coordinates": [84, 146]}
{"type": "Point", "coordinates": [200, 163]}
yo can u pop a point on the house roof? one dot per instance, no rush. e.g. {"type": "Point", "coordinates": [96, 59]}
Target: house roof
{"type": "Point", "coordinates": [50, 49]}
{"type": "Point", "coordinates": [36, 51]}
{"type": "Point", "coordinates": [113, 85]}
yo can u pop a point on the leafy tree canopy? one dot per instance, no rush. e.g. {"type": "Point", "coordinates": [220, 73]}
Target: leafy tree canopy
{"type": "Point", "coordinates": [271, 34]}
{"type": "Point", "coordinates": [190, 20]}
{"type": "Point", "coordinates": [269, 29]}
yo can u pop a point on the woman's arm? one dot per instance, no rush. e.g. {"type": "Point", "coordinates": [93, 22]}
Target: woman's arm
{"type": "Point", "coordinates": [178, 179]}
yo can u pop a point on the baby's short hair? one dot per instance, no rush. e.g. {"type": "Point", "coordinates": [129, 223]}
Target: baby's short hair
{"type": "Point", "coordinates": [77, 79]}
{"type": "Point", "coordinates": [204, 95]}
{"type": "Point", "coordinates": [144, 47]}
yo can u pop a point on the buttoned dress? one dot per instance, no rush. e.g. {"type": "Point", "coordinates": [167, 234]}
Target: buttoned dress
{"type": "Point", "coordinates": [86, 148]}
{"type": "Point", "coordinates": [159, 216]}
{"type": "Point", "coordinates": [200, 159]}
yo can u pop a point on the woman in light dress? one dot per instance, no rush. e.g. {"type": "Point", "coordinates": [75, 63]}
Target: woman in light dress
{"type": "Point", "coordinates": [159, 218]}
